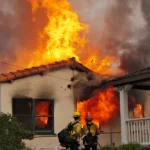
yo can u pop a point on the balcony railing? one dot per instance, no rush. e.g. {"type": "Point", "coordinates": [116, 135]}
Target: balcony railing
{"type": "Point", "coordinates": [139, 130]}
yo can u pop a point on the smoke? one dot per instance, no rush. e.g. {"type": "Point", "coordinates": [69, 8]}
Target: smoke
{"type": "Point", "coordinates": [19, 31]}
{"type": "Point", "coordinates": [127, 34]}
{"type": "Point", "coordinates": [85, 85]}
{"type": "Point", "coordinates": [118, 28]}
{"type": "Point", "coordinates": [135, 97]}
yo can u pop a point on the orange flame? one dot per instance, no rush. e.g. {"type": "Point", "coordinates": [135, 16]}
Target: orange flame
{"type": "Point", "coordinates": [63, 31]}
{"type": "Point", "coordinates": [42, 108]}
{"type": "Point", "coordinates": [138, 111]}
{"type": "Point", "coordinates": [63, 37]}
{"type": "Point", "coordinates": [103, 106]}
{"type": "Point", "coordinates": [100, 66]}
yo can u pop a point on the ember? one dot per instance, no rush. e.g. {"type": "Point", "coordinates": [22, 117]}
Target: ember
{"type": "Point", "coordinates": [103, 106]}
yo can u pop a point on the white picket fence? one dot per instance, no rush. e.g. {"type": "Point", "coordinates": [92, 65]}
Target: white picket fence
{"type": "Point", "coordinates": [139, 130]}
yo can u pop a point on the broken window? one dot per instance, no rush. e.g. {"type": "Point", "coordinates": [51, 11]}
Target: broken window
{"type": "Point", "coordinates": [43, 115]}
{"type": "Point", "coordinates": [35, 115]}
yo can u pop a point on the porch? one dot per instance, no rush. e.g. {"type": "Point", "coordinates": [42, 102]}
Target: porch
{"type": "Point", "coordinates": [136, 129]}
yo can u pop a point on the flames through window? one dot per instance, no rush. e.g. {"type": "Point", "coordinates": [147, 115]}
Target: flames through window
{"type": "Point", "coordinates": [44, 113]}
{"type": "Point", "coordinates": [138, 111]}
{"type": "Point", "coordinates": [35, 115]}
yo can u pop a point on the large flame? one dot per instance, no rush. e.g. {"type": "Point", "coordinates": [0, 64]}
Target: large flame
{"type": "Point", "coordinates": [103, 106]}
{"type": "Point", "coordinates": [63, 31]}
{"type": "Point", "coordinates": [63, 37]}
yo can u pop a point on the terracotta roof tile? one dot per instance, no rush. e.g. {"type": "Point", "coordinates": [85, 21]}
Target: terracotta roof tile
{"type": "Point", "coordinates": [136, 73]}
{"type": "Point", "coordinates": [72, 63]}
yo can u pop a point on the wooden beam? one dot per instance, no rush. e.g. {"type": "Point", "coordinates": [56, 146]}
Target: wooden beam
{"type": "Point", "coordinates": [141, 87]}
{"type": "Point", "coordinates": [127, 80]}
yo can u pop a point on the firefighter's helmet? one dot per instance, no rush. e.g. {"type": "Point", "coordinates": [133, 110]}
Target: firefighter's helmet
{"type": "Point", "coordinates": [88, 118]}
{"type": "Point", "coordinates": [76, 114]}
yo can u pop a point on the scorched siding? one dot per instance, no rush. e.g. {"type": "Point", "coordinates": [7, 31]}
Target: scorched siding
{"type": "Point", "coordinates": [52, 85]}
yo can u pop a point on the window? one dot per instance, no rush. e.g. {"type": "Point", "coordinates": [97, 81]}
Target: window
{"type": "Point", "coordinates": [36, 115]}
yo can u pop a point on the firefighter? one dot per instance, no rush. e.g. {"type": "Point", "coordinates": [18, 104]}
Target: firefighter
{"type": "Point", "coordinates": [76, 131]}
{"type": "Point", "coordinates": [90, 131]}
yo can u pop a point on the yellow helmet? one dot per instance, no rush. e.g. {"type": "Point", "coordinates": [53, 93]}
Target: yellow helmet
{"type": "Point", "coordinates": [76, 114]}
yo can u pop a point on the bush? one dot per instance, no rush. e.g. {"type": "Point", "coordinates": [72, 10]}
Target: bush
{"type": "Point", "coordinates": [130, 146]}
{"type": "Point", "coordinates": [110, 148]}
{"type": "Point", "coordinates": [12, 133]}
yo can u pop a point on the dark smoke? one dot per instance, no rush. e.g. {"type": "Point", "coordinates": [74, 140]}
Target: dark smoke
{"type": "Point", "coordinates": [135, 97]}
{"type": "Point", "coordinates": [18, 31]}
{"type": "Point", "coordinates": [26, 91]}
{"type": "Point", "coordinates": [119, 28]}
{"type": "Point", "coordinates": [140, 58]}
{"type": "Point", "coordinates": [85, 85]}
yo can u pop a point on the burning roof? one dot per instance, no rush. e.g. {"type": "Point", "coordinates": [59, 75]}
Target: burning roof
{"type": "Point", "coordinates": [71, 63]}
{"type": "Point", "coordinates": [139, 79]}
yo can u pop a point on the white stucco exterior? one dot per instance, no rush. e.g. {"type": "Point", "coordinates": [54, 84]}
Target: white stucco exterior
{"type": "Point", "coordinates": [51, 85]}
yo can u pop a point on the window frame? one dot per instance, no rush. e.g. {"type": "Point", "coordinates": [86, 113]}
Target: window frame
{"type": "Point", "coordinates": [33, 114]}
{"type": "Point", "coordinates": [44, 132]}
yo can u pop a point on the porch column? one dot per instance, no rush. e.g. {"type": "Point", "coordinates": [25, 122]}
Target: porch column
{"type": "Point", "coordinates": [123, 90]}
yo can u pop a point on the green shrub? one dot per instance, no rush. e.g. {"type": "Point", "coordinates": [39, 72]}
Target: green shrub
{"type": "Point", "coordinates": [12, 133]}
{"type": "Point", "coordinates": [130, 146]}
{"type": "Point", "coordinates": [146, 148]}
{"type": "Point", "coordinates": [109, 148]}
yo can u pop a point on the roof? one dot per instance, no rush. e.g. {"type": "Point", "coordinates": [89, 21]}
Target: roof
{"type": "Point", "coordinates": [71, 63]}
{"type": "Point", "coordinates": [139, 79]}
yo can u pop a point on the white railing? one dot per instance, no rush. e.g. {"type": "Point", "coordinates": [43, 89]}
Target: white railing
{"type": "Point", "coordinates": [139, 130]}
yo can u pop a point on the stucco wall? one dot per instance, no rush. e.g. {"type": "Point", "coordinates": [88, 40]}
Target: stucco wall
{"type": "Point", "coordinates": [111, 133]}
{"type": "Point", "coordinates": [52, 85]}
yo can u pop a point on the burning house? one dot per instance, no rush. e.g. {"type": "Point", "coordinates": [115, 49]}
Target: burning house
{"type": "Point", "coordinates": [41, 98]}
{"type": "Point", "coordinates": [44, 98]}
